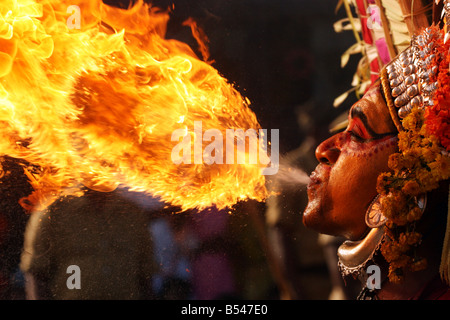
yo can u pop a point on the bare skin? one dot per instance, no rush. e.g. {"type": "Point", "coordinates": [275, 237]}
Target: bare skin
{"type": "Point", "coordinates": [344, 183]}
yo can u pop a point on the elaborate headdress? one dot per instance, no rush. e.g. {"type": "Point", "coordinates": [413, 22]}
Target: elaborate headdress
{"type": "Point", "coordinates": [417, 90]}
{"type": "Point", "coordinates": [416, 85]}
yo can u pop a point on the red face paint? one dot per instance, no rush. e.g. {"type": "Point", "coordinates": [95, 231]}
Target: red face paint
{"type": "Point", "coordinates": [356, 140]}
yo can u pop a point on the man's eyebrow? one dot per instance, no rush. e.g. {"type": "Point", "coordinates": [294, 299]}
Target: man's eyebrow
{"type": "Point", "coordinates": [359, 113]}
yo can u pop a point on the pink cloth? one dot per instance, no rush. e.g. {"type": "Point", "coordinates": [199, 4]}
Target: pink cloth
{"type": "Point", "coordinates": [383, 50]}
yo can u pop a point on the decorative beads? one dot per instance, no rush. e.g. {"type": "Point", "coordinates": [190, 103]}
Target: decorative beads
{"type": "Point", "coordinates": [412, 75]}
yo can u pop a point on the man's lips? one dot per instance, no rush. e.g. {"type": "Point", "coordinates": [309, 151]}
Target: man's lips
{"type": "Point", "coordinates": [315, 179]}
{"type": "Point", "coordinates": [318, 176]}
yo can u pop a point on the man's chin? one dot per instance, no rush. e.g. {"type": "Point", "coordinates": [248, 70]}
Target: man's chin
{"type": "Point", "coordinates": [314, 217]}
{"type": "Point", "coordinates": [311, 215]}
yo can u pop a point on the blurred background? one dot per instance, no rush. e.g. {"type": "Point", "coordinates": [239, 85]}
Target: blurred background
{"type": "Point", "coordinates": [285, 57]}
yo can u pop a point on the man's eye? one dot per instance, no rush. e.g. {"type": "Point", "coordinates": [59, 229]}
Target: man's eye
{"type": "Point", "coordinates": [357, 133]}
{"type": "Point", "coordinates": [356, 137]}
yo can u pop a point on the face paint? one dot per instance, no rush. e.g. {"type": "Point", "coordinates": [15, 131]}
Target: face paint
{"type": "Point", "coordinates": [344, 183]}
{"type": "Point", "coordinates": [358, 147]}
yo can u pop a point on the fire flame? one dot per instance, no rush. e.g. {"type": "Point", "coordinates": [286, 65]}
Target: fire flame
{"type": "Point", "coordinates": [95, 105]}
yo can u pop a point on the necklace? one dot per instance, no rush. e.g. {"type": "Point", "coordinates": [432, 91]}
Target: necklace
{"type": "Point", "coordinates": [356, 256]}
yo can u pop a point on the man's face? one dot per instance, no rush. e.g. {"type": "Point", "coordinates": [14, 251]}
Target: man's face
{"type": "Point", "coordinates": [344, 183]}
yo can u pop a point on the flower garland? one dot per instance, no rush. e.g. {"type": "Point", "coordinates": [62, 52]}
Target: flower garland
{"type": "Point", "coordinates": [421, 163]}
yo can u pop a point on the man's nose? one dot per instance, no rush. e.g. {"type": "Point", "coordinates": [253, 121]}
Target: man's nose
{"type": "Point", "coordinates": [328, 151]}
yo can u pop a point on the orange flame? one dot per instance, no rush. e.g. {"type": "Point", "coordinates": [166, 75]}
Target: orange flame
{"type": "Point", "coordinates": [92, 100]}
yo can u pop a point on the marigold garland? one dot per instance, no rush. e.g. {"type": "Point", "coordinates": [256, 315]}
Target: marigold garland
{"type": "Point", "coordinates": [437, 117]}
{"type": "Point", "coordinates": [421, 163]}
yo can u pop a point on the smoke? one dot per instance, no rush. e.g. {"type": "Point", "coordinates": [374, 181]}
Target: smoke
{"type": "Point", "coordinates": [291, 175]}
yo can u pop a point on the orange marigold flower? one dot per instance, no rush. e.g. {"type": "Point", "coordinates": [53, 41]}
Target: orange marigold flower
{"type": "Point", "coordinates": [383, 182]}
{"type": "Point", "coordinates": [402, 262]}
{"type": "Point", "coordinates": [437, 116]}
{"type": "Point", "coordinates": [395, 208]}
{"type": "Point", "coordinates": [441, 167]}
{"type": "Point", "coordinates": [419, 265]}
{"type": "Point", "coordinates": [403, 140]}
{"type": "Point", "coordinates": [411, 158]}
{"type": "Point", "coordinates": [395, 275]}
{"type": "Point", "coordinates": [409, 238]}
{"type": "Point", "coordinates": [414, 214]}
{"type": "Point", "coordinates": [411, 187]}
{"type": "Point", "coordinates": [388, 252]}
{"type": "Point", "coordinates": [395, 162]}
{"type": "Point", "coordinates": [429, 154]}
{"type": "Point", "coordinates": [427, 179]}
{"type": "Point", "coordinates": [414, 120]}
{"type": "Point", "coordinates": [401, 218]}
{"type": "Point", "coordinates": [386, 205]}
{"type": "Point", "coordinates": [393, 251]}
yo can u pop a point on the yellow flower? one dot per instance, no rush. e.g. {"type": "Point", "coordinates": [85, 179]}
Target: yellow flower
{"type": "Point", "coordinates": [427, 180]}
{"type": "Point", "coordinates": [441, 167]}
{"type": "Point", "coordinates": [418, 265]}
{"type": "Point", "coordinates": [395, 162]}
{"type": "Point", "coordinates": [411, 158]}
{"type": "Point", "coordinates": [419, 167]}
{"type": "Point", "coordinates": [428, 154]}
{"type": "Point", "coordinates": [387, 205]}
{"type": "Point", "coordinates": [411, 188]}
{"type": "Point", "coordinates": [409, 238]}
{"type": "Point", "coordinates": [414, 214]}
{"type": "Point", "coordinates": [414, 120]}
{"type": "Point", "coordinates": [403, 140]}
{"type": "Point", "coordinates": [395, 278]}
{"type": "Point", "coordinates": [383, 182]}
